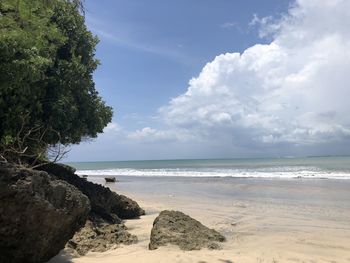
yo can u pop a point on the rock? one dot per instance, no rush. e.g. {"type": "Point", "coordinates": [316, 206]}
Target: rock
{"type": "Point", "coordinates": [104, 228]}
{"type": "Point", "coordinates": [176, 228]}
{"type": "Point", "coordinates": [104, 203]}
{"type": "Point", "coordinates": [57, 168]}
{"type": "Point", "coordinates": [99, 236]}
{"type": "Point", "coordinates": [110, 179]}
{"type": "Point", "coordinates": [38, 214]}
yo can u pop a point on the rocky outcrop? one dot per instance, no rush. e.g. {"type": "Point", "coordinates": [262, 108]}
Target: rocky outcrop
{"type": "Point", "coordinates": [104, 228]}
{"type": "Point", "coordinates": [99, 236]}
{"type": "Point", "coordinates": [104, 203]}
{"type": "Point", "coordinates": [176, 228]}
{"type": "Point", "coordinates": [38, 214]}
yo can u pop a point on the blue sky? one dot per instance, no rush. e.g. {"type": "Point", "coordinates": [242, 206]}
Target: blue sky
{"type": "Point", "coordinates": [150, 50]}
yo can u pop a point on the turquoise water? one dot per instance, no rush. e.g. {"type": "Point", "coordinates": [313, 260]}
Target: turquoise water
{"type": "Point", "coordinates": [308, 167]}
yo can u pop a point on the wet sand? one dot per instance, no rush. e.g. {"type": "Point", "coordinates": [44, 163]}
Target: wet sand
{"type": "Point", "coordinates": [264, 220]}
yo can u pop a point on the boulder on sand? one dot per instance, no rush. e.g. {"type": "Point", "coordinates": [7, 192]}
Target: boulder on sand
{"type": "Point", "coordinates": [110, 179]}
{"type": "Point", "coordinates": [99, 236]}
{"type": "Point", "coordinates": [176, 228]}
{"type": "Point", "coordinates": [38, 214]}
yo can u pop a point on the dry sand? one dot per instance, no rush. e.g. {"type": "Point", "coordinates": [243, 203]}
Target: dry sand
{"type": "Point", "coordinates": [257, 230]}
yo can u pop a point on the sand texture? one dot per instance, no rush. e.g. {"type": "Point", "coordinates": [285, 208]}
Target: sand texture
{"type": "Point", "coordinates": [273, 228]}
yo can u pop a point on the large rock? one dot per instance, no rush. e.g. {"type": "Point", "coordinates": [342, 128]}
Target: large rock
{"type": "Point", "coordinates": [176, 228]}
{"type": "Point", "coordinates": [104, 228]}
{"type": "Point", "coordinates": [104, 203]}
{"type": "Point", "coordinates": [38, 214]}
{"type": "Point", "coordinates": [99, 236]}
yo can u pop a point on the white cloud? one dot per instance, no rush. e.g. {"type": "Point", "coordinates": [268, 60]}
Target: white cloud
{"type": "Point", "coordinates": [293, 91]}
{"type": "Point", "coordinates": [112, 127]}
{"type": "Point", "coordinates": [231, 25]}
{"type": "Point", "coordinates": [148, 134]}
{"type": "Point", "coordinates": [125, 39]}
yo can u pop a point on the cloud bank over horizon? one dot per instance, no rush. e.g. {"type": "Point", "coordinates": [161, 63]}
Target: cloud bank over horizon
{"type": "Point", "coordinates": [290, 93]}
{"type": "Point", "coordinates": [285, 98]}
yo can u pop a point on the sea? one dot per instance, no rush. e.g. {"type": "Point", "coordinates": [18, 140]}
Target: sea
{"type": "Point", "coordinates": [329, 167]}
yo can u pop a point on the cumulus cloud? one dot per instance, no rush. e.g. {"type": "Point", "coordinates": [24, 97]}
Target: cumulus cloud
{"type": "Point", "coordinates": [293, 91]}
{"type": "Point", "coordinates": [112, 127]}
{"type": "Point", "coordinates": [148, 134]}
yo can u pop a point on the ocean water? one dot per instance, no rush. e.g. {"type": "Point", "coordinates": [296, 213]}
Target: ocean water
{"type": "Point", "coordinates": [283, 168]}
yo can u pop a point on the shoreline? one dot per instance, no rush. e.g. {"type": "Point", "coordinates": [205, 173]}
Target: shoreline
{"type": "Point", "coordinates": [304, 168]}
{"type": "Point", "coordinates": [271, 226]}
{"type": "Point", "coordinates": [303, 175]}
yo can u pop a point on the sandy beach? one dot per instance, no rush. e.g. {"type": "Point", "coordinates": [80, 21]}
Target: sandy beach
{"type": "Point", "coordinates": [263, 220]}
{"type": "Point", "coordinates": [174, 131]}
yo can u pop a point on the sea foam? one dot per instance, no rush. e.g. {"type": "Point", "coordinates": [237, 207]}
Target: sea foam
{"type": "Point", "coordinates": [269, 172]}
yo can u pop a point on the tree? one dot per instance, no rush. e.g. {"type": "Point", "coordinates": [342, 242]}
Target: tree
{"type": "Point", "coordinates": [47, 58]}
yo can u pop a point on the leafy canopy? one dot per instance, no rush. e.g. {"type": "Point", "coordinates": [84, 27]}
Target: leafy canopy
{"type": "Point", "coordinates": [47, 58]}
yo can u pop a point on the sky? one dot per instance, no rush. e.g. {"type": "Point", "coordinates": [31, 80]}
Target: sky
{"type": "Point", "coordinates": [191, 79]}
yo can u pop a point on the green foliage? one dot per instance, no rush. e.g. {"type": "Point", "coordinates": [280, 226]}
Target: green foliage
{"type": "Point", "coordinates": [46, 66]}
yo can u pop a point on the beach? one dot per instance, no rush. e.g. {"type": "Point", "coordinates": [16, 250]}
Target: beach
{"type": "Point", "coordinates": [174, 131]}
{"type": "Point", "coordinates": [264, 220]}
